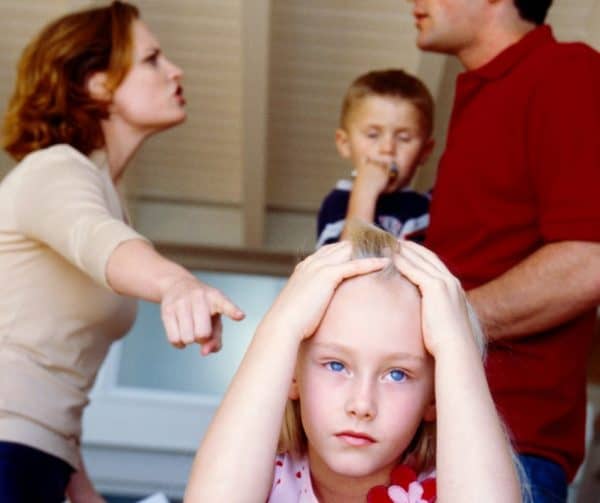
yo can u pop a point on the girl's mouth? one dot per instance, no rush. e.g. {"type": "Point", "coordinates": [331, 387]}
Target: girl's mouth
{"type": "Point", "coordinates": [355, 439]}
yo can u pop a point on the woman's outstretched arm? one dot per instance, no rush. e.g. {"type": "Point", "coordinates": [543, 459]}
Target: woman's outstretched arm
{"type": "Point", "coordinates": [235, 460]}
{"type": "Point", "coordinates": [190, 309]}
{"type": "Point", "coordinates": [474, 457]}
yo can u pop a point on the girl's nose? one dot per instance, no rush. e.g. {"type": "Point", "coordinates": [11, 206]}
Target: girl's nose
{"type": "Point", "coordinates": [361, 402]}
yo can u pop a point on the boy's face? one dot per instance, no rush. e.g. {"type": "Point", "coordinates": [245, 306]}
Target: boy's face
{"type": "Point", "coordinates": [382, 129]}
{"type": "Point", "coordinates": [365, 381]}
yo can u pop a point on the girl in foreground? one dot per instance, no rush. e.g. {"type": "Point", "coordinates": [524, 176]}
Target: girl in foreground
{"type": "Point", "coordinates": [368, 381]}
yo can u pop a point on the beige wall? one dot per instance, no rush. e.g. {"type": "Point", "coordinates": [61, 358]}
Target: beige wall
{"type": "Point", "coordinates": [263, 81]}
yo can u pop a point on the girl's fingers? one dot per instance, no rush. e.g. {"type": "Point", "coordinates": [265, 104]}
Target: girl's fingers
{"type": "Point", "coordinates": [425, 254]}
{"type": "Point", "coordinates": [434, 268]}
{"type": "Point", "coordinates": [328, 254]}
{"type": "Point", "coordinates": [358, 267]}
{"type": "Point", "coordinates": [426, 276]}
{"type": "Point", "coordinates": [415, 272]}
{"type": "Point", "coordinates": [333, 251]}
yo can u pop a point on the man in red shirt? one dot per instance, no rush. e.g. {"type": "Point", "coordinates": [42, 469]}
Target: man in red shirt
{"type": "Point", "coordinates": [515, 215]}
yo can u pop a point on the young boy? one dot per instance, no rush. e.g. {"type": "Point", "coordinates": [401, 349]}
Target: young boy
{"type": "Point", "coordinates": [385, 131]}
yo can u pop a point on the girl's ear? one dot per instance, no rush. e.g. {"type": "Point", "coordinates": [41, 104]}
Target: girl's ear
{"type": "Point", "coordinates": [430, 412]}
{"type": "Point", "coordinates": [96, 87]}
{"type": "Point", "coordinates": [294, 393]}
{"type": "Point", "coordinates": [342, 143]}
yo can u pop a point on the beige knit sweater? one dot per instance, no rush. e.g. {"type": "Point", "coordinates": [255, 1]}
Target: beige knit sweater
{"type": "Point", "coordinates": [60, 220]}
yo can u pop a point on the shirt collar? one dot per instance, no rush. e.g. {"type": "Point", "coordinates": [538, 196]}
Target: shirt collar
{"type": "Point", "coordinates": [513, 54]}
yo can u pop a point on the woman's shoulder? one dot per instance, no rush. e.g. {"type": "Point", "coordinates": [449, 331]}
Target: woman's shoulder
{"type": "Point", "coordinates": [52, 162]}
{"type": "Point", "coordinates": [59, 169]}
{"type": "Point", "coordinates": [60, 152]}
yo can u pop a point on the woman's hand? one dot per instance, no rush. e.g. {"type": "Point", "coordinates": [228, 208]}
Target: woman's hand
{"type": "Point", "coordinates": [191, 313]}
{"type": "Point", "coordinates": [80, 488]}
{"type": "Point", "coordinates": [445, 319]}
{"type": "Point", "coordinates": [191, 310]}
{"type": "Point", "coordinates": [303, 301]}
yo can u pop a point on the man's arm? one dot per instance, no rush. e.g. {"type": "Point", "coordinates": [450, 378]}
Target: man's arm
{"type": "Point", "coordinates": [553, 285]}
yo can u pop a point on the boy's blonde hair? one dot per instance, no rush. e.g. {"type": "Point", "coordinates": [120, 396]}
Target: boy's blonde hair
{"type": "Point", "coordinates": [370, 241]}
{"type": "Point", "coordinates": [392, 83]}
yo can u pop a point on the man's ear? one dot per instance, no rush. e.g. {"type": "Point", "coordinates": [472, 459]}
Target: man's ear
{"type": "Point", "coordinates": [426, 150]}
{"type": "Point", "coordinates": [342, 143]}
{"type": "Point", "coordinates": [96, 87]}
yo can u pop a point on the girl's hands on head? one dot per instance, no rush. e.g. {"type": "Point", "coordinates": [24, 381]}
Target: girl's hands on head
{"type": "Point", "coordinates": [302, 303]}
{"type": "Point", "coordinates": [445, 320]}
{"type": "Point", "coordinates": [191, 313]}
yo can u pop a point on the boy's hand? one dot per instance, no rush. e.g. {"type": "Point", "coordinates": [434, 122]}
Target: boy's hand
{"type": "Point", "coordinates": [373, 176]}
{"type": "Point", "coordinates": [302, 303]}
{"type": "Point", "coordinates": [372, 179]}
{"type": "Point", "coordinates": [445, 320]}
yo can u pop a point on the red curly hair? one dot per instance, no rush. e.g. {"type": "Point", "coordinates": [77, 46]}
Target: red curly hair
{"type": "Point", "coordinates": [51, 103]}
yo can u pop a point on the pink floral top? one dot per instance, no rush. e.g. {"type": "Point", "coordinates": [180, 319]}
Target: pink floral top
{"type": "Point", "coordinates": [291, 481]}
{"type": "Point", "coordinates": [292, 484]}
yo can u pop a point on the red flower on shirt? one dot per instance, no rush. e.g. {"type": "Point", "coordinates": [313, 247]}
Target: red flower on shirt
{"type": "Point", "coordinates": [404, 488]}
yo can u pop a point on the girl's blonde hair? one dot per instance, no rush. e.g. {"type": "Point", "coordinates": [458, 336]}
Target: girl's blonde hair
{"type": "Point", "coordinates": [370, 241]}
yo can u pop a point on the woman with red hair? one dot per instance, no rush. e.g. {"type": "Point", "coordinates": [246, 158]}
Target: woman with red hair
{"type": "Point", "coordinates": [91, 87]}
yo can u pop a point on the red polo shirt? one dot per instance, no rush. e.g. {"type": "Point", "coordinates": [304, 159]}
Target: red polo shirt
{"type": "Point", "coordinates": [522, 169]}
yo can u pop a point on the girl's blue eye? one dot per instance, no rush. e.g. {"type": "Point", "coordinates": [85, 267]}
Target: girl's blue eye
{"type": "Point", "coordinates": [335, 366]}
{"type": "Point", "coordinates": [397, 375]}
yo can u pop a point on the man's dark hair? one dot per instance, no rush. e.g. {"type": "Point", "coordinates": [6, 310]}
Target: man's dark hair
{"type": "Point", "coordinates": [533, 10]}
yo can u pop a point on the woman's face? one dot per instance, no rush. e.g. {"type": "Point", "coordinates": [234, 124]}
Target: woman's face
{"type": "Point", "coordinates": [150, 97]}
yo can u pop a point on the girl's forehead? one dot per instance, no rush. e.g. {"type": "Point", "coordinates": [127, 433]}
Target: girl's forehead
{"type": "Point", "coordinates": [392, 292]}
{"type": "Point", "coordinates": [374, 311]}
